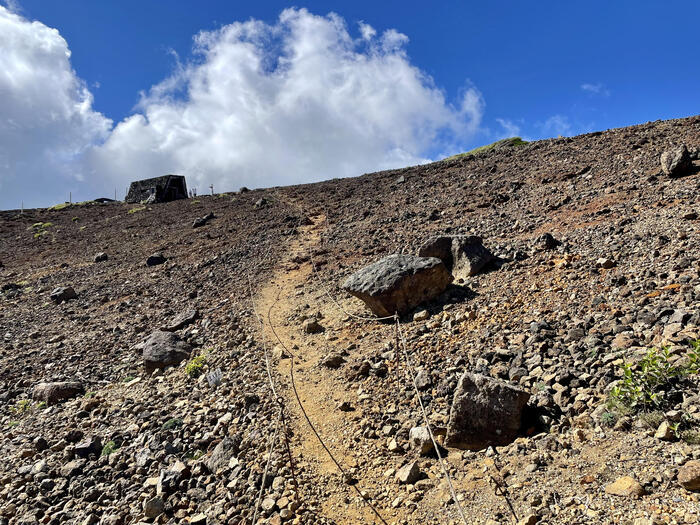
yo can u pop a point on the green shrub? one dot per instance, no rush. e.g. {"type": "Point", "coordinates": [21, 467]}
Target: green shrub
{"type": "Point", "coordinates": [137, 209]}
{"type": "Point", "coordinates": [172, 424]}
{"type": "Point", "coordinates": [109, 448]}
{"type": "Point", "coordinates": [654, 383]}
{"type": "Point", "coordinates": [512, 141]}
{"type": "Point", "coordinates": [196, 366]}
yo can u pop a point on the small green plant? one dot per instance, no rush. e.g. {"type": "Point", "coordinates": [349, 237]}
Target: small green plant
{"type": "Point", "coordinates": [196, 366]}
{"type": "Point", "coordinates": [608, 419]}
{"type": "Point", "coordinates": [75, 219]}
{"type": "Point", "coordinates": [194, 454]}
{"type": "Point", "coordinates": [22, 406]}
{"type": "Point", "coordinates": [89, 394]}
{"type": "Point", "coordinates": [195, 201]}
{"type": "Point", "coordinates": [513, 141]}
{"type": "Point", "coordinates": [655, 382]}
{"type": "Point", "coordinates": [13, 424]}
{"type": "Point", "coordinates": [172, 424]}
{"type": "Point", "coordinates": [82, 228]}
{"type": "Point", "coordinates": [109, 448]}
{"type": "Point", "coordinates": [137, 209]}
{"type": "Point", "coordinates": [127, 379]}
{"type": "Point", "coordinates": [41, 405]}
{"type": "Point", "coordinates": [58, 207]}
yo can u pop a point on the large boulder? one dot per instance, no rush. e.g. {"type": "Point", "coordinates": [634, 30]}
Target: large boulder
{"type": "Point", "coordinates": [676, 162]}
{"type": "Point", "coordinates": [51, 393]}
{"type": "Point", "coordinates": [163, 349]}
{"type": "Point", "coordinates": [463, 255]}
{"type": "Point", "coordinates": [398, 283]}
{"type": "Point", "coordinates": [484, 412]}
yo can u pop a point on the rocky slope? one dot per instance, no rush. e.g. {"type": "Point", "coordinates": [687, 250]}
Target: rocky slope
{"type": "Point", "coordinates": [556, 318]}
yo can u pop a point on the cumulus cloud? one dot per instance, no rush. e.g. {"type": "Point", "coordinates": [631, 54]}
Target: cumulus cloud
{"type": "Point", "coordinates": [299, 100]}
{"type": "Point", "coordinates": [46, 116]}
{"type": "Point", "coordinates": [295, 101]}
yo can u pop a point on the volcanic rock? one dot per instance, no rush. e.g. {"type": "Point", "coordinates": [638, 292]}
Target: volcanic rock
{"type": "Point", "coordinates": [676, 162]}
{"type": "Point", "coordinates": [463, 255]}
{"type": "Point", "coordinates": [398, 283]}
{"type": "Point", "coordinates": [163, 349]}
{"type": "Point", "coordinates": [155, 259]}
{"type": "Point", "coordinates": [58, 391]}
{"type": "Point", "coordinates": [484, 412]}
{"type": "Point", "coordinates": [181, 320]}
{"type": "Point", "coordinates": [63, 293]}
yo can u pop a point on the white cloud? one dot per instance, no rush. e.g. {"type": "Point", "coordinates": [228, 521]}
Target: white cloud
{"type": "Point", "coordinates": [596, 89]}
{"type": "Point", "coordinates": [46, 115]}
{"type": "Point", "coordinates": [258, 105]}
{"type": "Point", "coordinates": [556, 125]}
{"type": "Point", "coordinates": [296, 101]}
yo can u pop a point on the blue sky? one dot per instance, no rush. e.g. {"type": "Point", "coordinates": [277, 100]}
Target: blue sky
{"type": "Point", "coordinates": [537, 69]}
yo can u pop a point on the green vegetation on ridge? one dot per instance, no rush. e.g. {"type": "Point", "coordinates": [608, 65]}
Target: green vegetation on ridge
{"type": "Point", "coordinates": [504, 143]}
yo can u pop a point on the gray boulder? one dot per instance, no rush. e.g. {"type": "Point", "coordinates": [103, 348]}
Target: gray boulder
{"type": "Point", "coordinates": [463, 255]}
{"type": "Point", "coordinates": [484, 412]}
{"type": "Point", "coordinates": [163, 349]}
{"type": "Point", "coordinates": [181, 320]}
{"type": "Point", "coordinates": [63, 293]}
{"type": "Point", "coordinates": [52, 393]}
{"type": "Point", "coordinates": [398, 283]}
{"type": "Point", "coordinates": [676, 162]}
{"type": "Point", "coordinates": [222, 454]}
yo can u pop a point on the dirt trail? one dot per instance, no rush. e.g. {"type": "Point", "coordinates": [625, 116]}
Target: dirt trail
{"type": "Point", "coordinates": [320, 390]}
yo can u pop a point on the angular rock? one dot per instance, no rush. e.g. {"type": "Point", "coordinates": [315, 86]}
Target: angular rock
{"type": "Point", "coordinates": [181, 320]}
{"type": "Point", "coordinates": [163, 349]}
{"type": "Point", "coordinates": [484, 412]}
{"type": "Point", "coordinates": [222, 454]}
{"type": "Point", "coordinates": [92, 445]}
{"type": "Point", "coordinates": [201, 221]}
{"type": "Point", "coordinates": [408, 474]}
{"type": "Point", "coordinates": [398, 283]}
{"type": "Point", "coordinates": [676, 162]}
{"type": "Point", "coordinates": [155, 259]}
{"type": "Point", "coordinates": [333, 361]}
{"type": "Point", "coordinates": [63, 293]}
{"type": "Point", "coordinates": [625, 486]}
{"type": "Point", "coordinates": [423, 380]}
{"type": "Point", "coordinates": [101, 257]}
{"type": "Point", "coordinates": [546, 242]}
{"type": "Point", "coordinates": [419, 437]}
{"type": "Point", "coordinates": [311, 326]}
{"type": "Point", "coordinates": [463, 255]}
{"type": "Point", "coordinates": [689, 476]}
{"type": "Point", "coordinates": [153, 507]}
{"type": "Point", "coordinates": [58, 391]}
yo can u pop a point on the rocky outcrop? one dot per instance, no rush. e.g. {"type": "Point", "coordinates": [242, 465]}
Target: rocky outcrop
{"type": "Point", "coordinates": [463, 255]}
{"type": "Point", "coordinates": [398, 283]}
{"type": "Point", "coordinates": [163, 349]}
{"type": "Point", "coordinates": [484, 412]}
{"type": "Point", "coordinates": [676, 162]}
